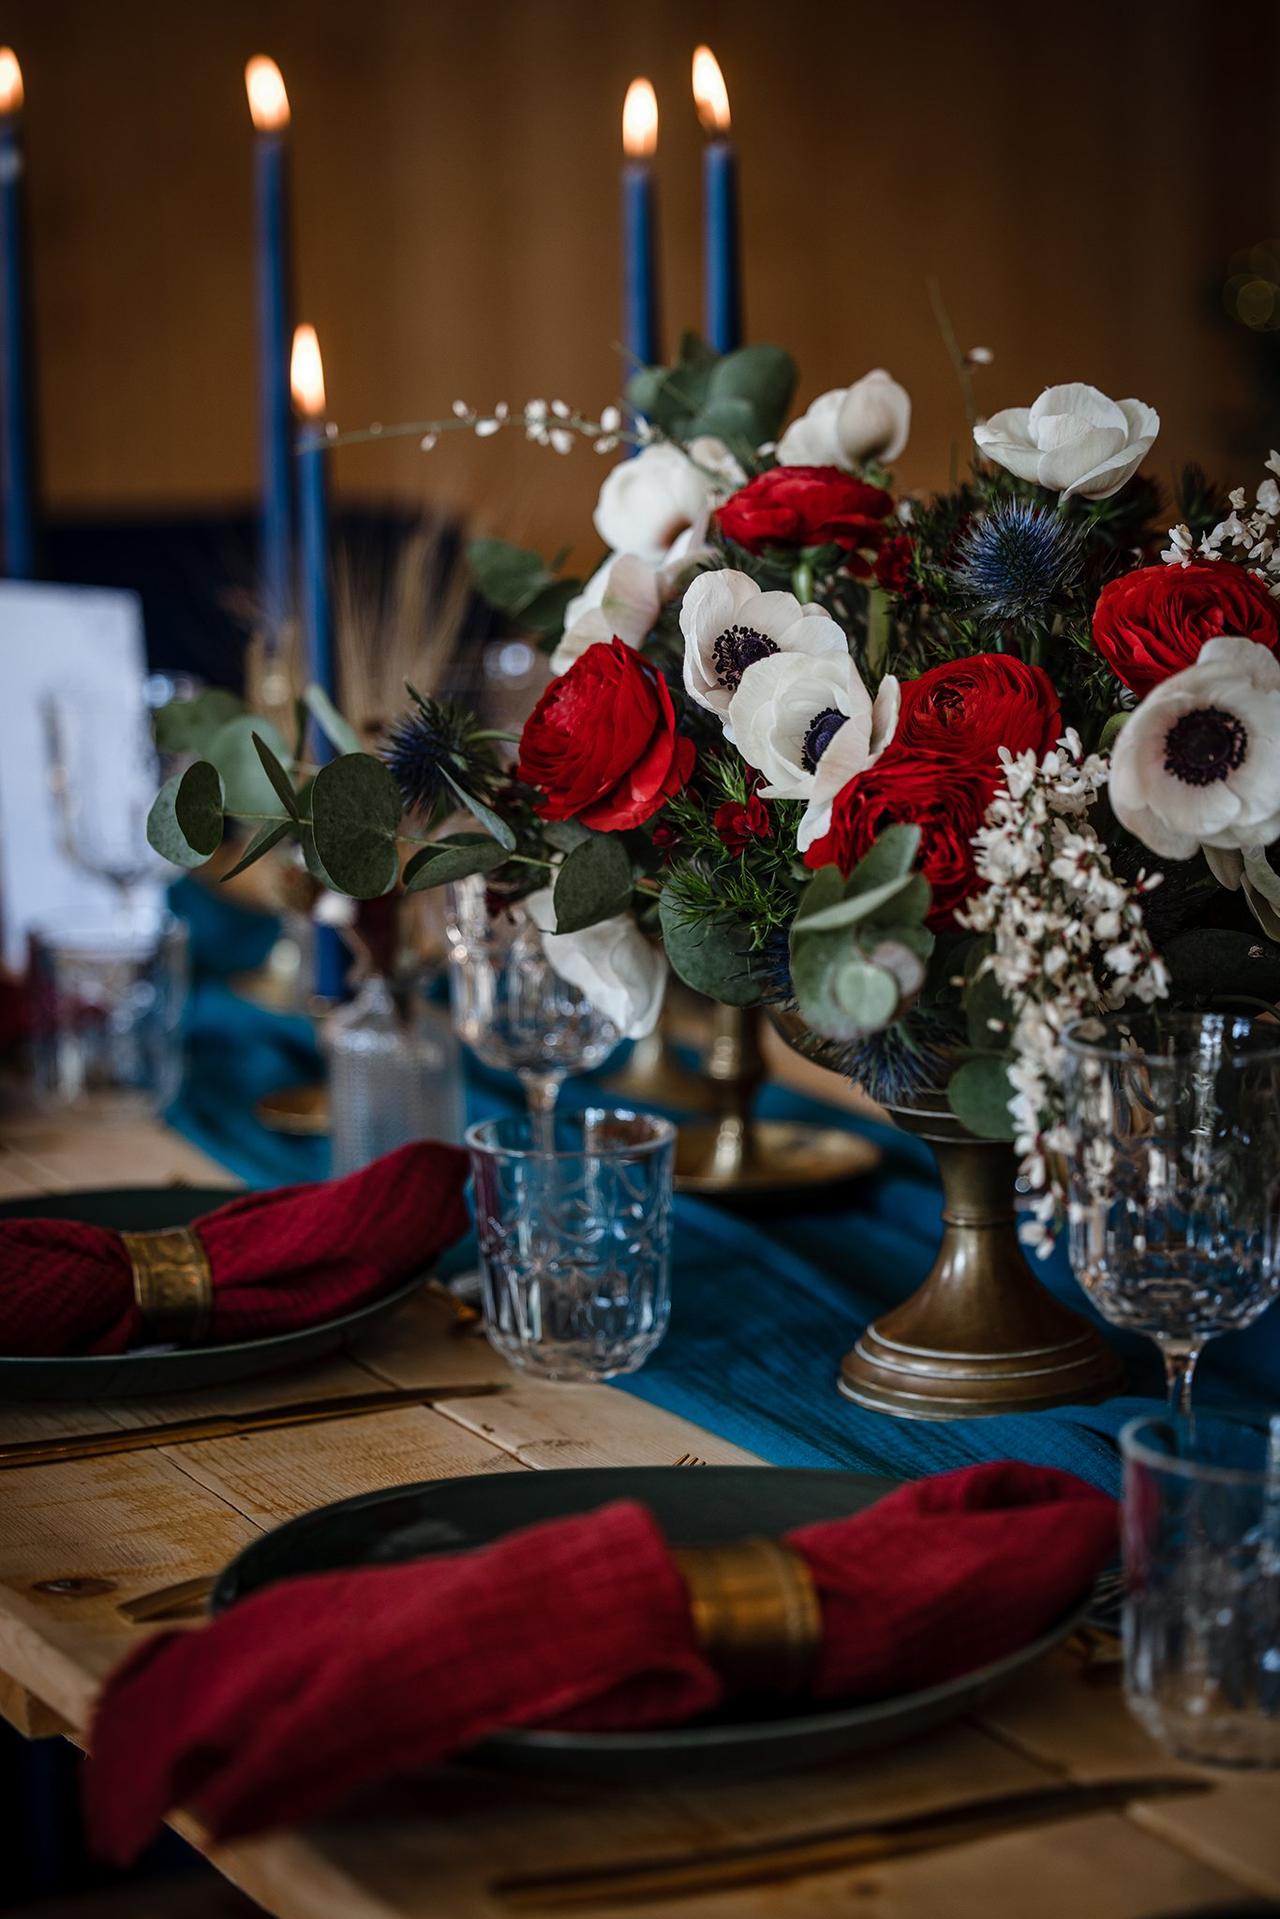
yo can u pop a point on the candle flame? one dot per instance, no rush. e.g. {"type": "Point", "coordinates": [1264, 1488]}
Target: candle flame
{"type": "Point", "coordinates": [268, 101]}
{"type": "Point", "coordinates": [306, 373]}
{"type": "Point", "coordinates": [10, 81]}
{"type": "Point", "coordinates": [640, 121]}
{"type": "Point", "coordinates": [710, 94]}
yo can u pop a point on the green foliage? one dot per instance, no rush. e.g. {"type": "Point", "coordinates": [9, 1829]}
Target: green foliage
{"type": "Point", "coordinates": [341, 735]}
{"type": "Point", "coordinates": [593, 884]}
{"type": "Point", "coordinates": [742, 398]}
{"type": "Point", "coordinates": [185, 822]}
{"type": "Point", "coordinates": [262, 842]}
{"type": "Point", "coordinates": [247, 787]}
{"type": "Point", "coordinates": [1207, 962]}
{"type": "Point", "coordinates": [455, 857]}
{"type": "Point", "coordinates": [187, 726]}
{"type": "Point", "coordinates": [712, 955]}
{"type": "Point", "coordinates": [279, 778]}
{"type": "Point", "coordinates": [519, 583]}
{"type": "Point", "coordinates": [978, 1093]}
{"type": "Point", "coordinates": [492, 823]}
{"type": "Point", "coordinates": [355, 814]}
{"type": "Point", "coordinates": [859, 946]}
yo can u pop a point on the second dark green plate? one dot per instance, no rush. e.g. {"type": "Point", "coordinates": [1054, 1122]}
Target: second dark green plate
{"type": "Point", "coordinates": [705, 1505]}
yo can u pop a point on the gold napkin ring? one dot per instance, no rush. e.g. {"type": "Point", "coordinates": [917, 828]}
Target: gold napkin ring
{"type": "Point", "coordinates": [172, 1283]}
{"type": "Point", "coordinates": [756, 1613]}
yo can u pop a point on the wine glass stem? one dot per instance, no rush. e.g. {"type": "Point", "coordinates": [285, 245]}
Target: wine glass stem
{"type": "Point", "coordinates": [542, 1090]}
{"type": "Point", "coordinates": [1179, 1370]}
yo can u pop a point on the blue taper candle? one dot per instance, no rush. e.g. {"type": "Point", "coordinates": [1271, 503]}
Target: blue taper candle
{"type": "Point", "coordinates": [17, 510]}
{"type": "Point", "coordinates": [269, 106]}
{"type": "Point", "coordinates": [641, 321]}
{"type": "Point", "coordinates": [722, 285]}
{"type": "Point", "coordinates": [306, 378]}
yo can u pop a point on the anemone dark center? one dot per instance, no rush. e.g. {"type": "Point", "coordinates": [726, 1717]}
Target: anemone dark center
{"type": "Point", "coordinates": [821, 732]}
{"type": "Point", "coordinates": [737, 648]}
{"type": "Point", "coordinates": [1204, 746]}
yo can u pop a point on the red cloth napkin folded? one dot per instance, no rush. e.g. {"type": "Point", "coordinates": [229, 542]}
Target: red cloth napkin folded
{"type": "Point", "coordinates": [318, 1686]}
{"type": "Point", "coordinates": [280, 1261]}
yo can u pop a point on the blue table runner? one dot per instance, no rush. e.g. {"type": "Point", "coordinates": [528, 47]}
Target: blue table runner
{"type": "Point", "coordinates": [765, 1301]}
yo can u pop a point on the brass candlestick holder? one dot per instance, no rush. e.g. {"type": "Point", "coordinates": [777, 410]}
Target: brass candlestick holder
{"type": "Point", "coordinates": [654, 1074]}
{"type": "Point", "coordinates": [736, 1153]}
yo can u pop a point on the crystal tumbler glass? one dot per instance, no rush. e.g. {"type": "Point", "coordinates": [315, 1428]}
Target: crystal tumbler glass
{"type": "Point", "coordinates": [1202, 1564]}
{"type": "Point", "coordinates": [1173, 1175]}
{"type": "Point", "coordinates": [106, 1013]}
{"type": "Point", "coordinates": [575, 1244]}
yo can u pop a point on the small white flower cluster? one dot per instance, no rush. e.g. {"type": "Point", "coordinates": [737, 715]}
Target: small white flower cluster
{"type": "Point", "coordinates": [1068, 939]}
{"type": "Point", "coordinates": [550, 423]}
{"type": "Point", "coordinates": [1249, 535]}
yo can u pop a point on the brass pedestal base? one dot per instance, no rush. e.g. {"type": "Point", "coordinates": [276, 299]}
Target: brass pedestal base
{"type": "Point", "coordinates": [982, 1335]}
{"type": "Point", "coordinates": [735, 1153]}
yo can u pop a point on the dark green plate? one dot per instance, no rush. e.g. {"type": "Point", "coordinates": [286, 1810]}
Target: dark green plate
{"type": "Point", "coordinates": [705, 1505]}
{"type": "Point", "coordinates": [137, 1375]}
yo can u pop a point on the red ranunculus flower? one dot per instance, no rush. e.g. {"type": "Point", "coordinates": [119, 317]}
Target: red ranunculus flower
{"type": "Point", "coordinates": [944, 795]}
{"type": "Point", "coordinates": [893, 563]}
{"type": "Point", "coordinates": [808, 506]}
{"type": "Point", "coordinates": [738, 824]}
{"type": "Point", "coordinates": [601, 744]}
{"type": "Point", "coordinates": [1150, 624]}
{"type": "Point", "coordinates": [972, 707]}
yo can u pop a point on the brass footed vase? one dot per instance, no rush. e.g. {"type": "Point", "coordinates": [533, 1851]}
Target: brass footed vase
{"type": "Point", "coordinates": [981, 1335]}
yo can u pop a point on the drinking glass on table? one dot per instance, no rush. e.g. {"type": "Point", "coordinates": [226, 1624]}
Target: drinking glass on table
{"type": "Point", "coordinates": [102, 783]}
{"type": "Point", "coordinates": [106, 1012]}
{"type": "Point", "coordinates": [1202, 1566]}
{"type": "Point", "coordinates": [1173, 1175]}
{"type": "Point", "coordinates": [510, 1008]}
{"type": "Point", "coordinates": [575, 1242]}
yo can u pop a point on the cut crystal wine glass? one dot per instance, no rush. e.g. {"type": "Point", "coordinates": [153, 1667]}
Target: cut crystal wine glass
{"type": "Point", "coordinates": [1173, 1175]}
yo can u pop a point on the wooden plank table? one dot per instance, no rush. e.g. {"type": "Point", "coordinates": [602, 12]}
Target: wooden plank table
{"type": "Point", "coordinates": [77, 1539]}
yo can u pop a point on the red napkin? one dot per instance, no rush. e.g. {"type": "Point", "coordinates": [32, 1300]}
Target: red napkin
{"type": "Point", "coordinates": [317, 1686]}
{"type": "Point", "coordinates": [280, 1260]}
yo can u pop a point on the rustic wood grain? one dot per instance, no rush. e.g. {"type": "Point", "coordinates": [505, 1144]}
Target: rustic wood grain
{"type": "Point", "coordinates": [130, 1523]}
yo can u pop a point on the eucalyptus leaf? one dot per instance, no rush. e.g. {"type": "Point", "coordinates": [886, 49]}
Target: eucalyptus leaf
{"type": "Point", "coordinates": [186, 819]}
{"type": "Point", "coordinates": [187, 726]}
{"type": "Point", "coordinates": [979, 1092]}
{"type": "Point", "coordinates": [868, 993]}
{"type": "Point", "coordinates": [765, 376]}
{"type": "Point", "coordinates": [546, 610]}
{"type": "Point", "coordinates": [339, 732]}
{"type": "Point", "coordinates": [984, 1002]}
{"type": "Point", "coordinates": [518, 582]}
{"type": "Point", "coordinates": [1107, 737]}
{"type": "Point", "coordinates": [247, 789]}
{"type": "Point", "coordinates": [892, 857]}
{"type": "Point", "coordinates": [711, 956]}
{"type": "Point", "coordinates": [564, 835]}
{"type": "Point", "coordinates": [455, 857]}
{"type": "Point", "coordinates": [593, 884]}
{"type": "Point", "coordinates": [817, 963]}
{"type": "Point", "coordinates": [855, 907]}
{"type": "Point", "coordinates": [279, 778]}
{"type": "Point", "coordinates": [262, 842]}
{"type": "Point", "coordinates": [497, 828]}
{"type": "Point", "coordinates": [355, 812]}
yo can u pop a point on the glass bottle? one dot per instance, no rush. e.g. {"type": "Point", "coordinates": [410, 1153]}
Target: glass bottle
{"type": "Point", "coordinates": [395, 1074]}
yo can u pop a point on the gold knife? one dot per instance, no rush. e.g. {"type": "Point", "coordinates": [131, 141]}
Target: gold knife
{"type": "Point", "coordinates": [181, 1432]}
{"type": "Point", "coordinates": [768, 1861]}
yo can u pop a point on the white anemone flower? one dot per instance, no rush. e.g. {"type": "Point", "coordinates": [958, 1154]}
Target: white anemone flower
{"type": "Point", "coordinates": [1073, 439]}
{"type": "Point", "coordinates": [1198, 764]}
{"type": "Point", "coordinates": [869, 420]}
{"type": "Point", "coordinates": [622, 600]}
{"type": "Point", "coordinates": [853, 748]}
{"type": "Point", "coordinates": [788, 710]}
{"type": "Point", "coordinates": [621, 973]}
{"type": "Point", "coordinates": [729, 624]}
{"type": "Point", "coordinates": [647, 502]}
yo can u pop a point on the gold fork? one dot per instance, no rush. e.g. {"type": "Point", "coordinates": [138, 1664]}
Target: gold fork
{"type": "Point", "coordinates": [690, 1459]}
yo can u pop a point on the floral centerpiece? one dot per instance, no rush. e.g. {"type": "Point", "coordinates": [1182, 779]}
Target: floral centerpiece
{"type": "Point", "coordinates": [929, 777]}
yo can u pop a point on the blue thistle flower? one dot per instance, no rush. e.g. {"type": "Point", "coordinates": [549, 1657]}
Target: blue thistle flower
{"type": "Point", "coordinates": [421, 744]}
{"type": "Point", "coordinates": [900, 1060]}
{"type": "Point", "coordinates": [773, 969]}
{"type": "Point", "coordinates": [1018, 561]}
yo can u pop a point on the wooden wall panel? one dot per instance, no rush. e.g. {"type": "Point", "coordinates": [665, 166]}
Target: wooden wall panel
{"type": "Point", "coordinates": [1075, 177]}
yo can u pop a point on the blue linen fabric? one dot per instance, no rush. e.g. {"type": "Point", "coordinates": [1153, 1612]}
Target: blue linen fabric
{"type": "Point", "coordinates": [765, 1301]}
